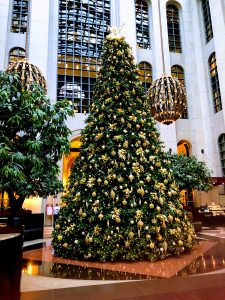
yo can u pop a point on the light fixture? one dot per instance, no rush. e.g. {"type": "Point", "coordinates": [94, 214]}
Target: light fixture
{"type": "Point", "coordinates": [28, 74]}
{"type": "Point", "coordinates": [166, 95]}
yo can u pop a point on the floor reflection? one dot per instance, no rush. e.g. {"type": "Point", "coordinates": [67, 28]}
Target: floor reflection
{"type": "Point", "coordinates": [211, 260]}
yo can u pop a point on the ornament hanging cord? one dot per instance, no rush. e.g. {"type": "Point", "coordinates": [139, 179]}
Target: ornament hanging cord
{"type": "Point", "coordinates": [161, 39]}
{"type": "Point", "coordinates": [27, 30]}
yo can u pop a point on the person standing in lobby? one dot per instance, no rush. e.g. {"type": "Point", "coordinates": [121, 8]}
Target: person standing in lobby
{"type": "Point", "coordinates": [56, 209]}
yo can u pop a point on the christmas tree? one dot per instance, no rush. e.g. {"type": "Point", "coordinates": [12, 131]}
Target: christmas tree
{"type": "Point", "coordinates": [122, 201]}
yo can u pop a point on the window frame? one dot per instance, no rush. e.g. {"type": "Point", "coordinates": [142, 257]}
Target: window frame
{"type": "Point", "coordinates": [174, 32]}
{"type": "Point", "coordinates": [221, 146]}
{"type": "Point", "coordinates": [19, 16]}
{"type": "Point", "coordinates": [179, 74]}
{"type": "Point", "coordinates": [142, 24]}
{"type": "Point", "coordinates": [17, 57]}
{"type": "Point", "coordinates": [143, 78]}
{"type": "Point", "coordinates": [206, 13]}
{"type": "Point", "coordinates": [215, 85]}
{"type": "Point", "coordinates": [83, 26]}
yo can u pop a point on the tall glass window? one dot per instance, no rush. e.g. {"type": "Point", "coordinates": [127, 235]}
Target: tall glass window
{"type": "Point", "coordinates": [207, 20]}
{"type": "Point", "coordinates": [16, 54]}
{"type": "Point", "coordinates": [19, 16]}
{"type": "Point", "coordinates": [142, 24]}
{"type": "Point", "coordinates": [215, 85]}
{"type": "Point", "coordinates": [221, 142]}
{"type": "Point", "coordinates": [178, 72]}
{"type": "Point", "coordinates": [83, 25]}
{"type": "Point", "coordinates": [145, 74]}
{"type": "Point", "coordinates": [173, 25]}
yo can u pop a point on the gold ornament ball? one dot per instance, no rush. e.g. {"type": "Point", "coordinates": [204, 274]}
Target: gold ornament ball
{"type": "Point", "coordinates": [140, 224]}
{"type": "Point", "coordinates": [60, 237]}
{"type": "Point", "coordinates": [130, 234]}
{"type": "Point", "coordinates": [180, 243]}
{"type": "Point", "coordinates": [118, 220]}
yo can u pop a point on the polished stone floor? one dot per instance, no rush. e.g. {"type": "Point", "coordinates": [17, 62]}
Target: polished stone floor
{"type": "Point", "coordinates": [196, 275]}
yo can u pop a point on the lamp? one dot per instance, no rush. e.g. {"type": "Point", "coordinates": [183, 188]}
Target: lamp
{"type": "Point", "coordinates": [166, 95]}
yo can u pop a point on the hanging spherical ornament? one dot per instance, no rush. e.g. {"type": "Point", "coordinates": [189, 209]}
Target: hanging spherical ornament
{"type": "Point", "coordinates": [140, 224]}
{"type": "Point", "coordinates": [167, 99]}
{"type": "Point", "coordinates": [28, 74]}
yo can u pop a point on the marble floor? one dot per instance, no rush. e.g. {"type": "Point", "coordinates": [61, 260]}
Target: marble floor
{"type": "Point", "coordinates": [196, 275]}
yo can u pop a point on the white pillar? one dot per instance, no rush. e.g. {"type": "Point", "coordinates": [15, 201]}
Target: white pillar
{"type": "Point", "coordinates": [127, 17]}
{"type": "Point", "coordinates": [115, 20]}
{"type": "Point", "coordinates": [4, 22]}
{"type": "Point", "coordinates": [38, 34]}
{"type": "Point", "coordinates": [53, 50]}
{"type": "Point", "coordinates": [201, 99]}
{"type": "Point", "coordinates": [218, 25]}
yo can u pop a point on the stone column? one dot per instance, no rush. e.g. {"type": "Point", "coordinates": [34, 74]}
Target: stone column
{"type": "Point", "coordinates": [126, 10]}
{"type": "Point", "coordinates": [38, 34]}
{"type": "Point", "coordinates": [4, 23]}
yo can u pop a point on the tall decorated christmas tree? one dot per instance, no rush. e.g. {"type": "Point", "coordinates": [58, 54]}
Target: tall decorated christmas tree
{"type": "Point", "coordinates": [122, 202]}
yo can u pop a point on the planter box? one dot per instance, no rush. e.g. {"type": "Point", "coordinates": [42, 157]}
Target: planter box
{"type": "Point", "coordinates": [33, 225]}
{"type": "Point", "coordinates": [11, 243]}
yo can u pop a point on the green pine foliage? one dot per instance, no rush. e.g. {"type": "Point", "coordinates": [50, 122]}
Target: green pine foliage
{"type": "Point", "coordinates": [122, 201]}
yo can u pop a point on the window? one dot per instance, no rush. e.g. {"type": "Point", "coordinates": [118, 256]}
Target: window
{"type": "Point", "coordinates": [221, 142]}
{"type": "Point", "coordinates": [83, 25]}
{"type": "Point", "coordinates": [215, 85]}
{"type": "Point", "coordinates": [145, 74]}
{"type": "Point", "coordinates": [178, 72]}
{"type": "Point", "coordinates": [173, 28]}
{"type": "Point", "coordinates": [207, 20]}
{"type": "Point", "coordinates": [19, 16]}
{"type": "Point", "coordinates": [16, 54]}
{"type": "Point", "coordinates": [142, 24]}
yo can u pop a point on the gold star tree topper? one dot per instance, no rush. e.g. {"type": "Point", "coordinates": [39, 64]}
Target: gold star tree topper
{"type": "Point", "coordinates": [115, 32]}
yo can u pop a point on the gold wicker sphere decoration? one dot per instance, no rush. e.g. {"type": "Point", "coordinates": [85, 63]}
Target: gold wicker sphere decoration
{"type": "Point", "coordinates": [28, 73]}
{"type": "Point", "coordinates": [167, 97]}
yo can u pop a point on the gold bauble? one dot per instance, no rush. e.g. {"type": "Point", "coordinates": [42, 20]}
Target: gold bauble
{"type": "Point", "coordinates": [140, 224]}
{"type": "Point", "coordinates": [141, 191]}
{"type": "Point", "coordinates": [130, 234]}
{"type": "Point", "coordinates": [170, 218]}
{"type": "Point", "coordinates": [131, 177]}
{"type": "Point", "coordinates": [180, 243]}
{"type": "Point", "coordinates": [127, 244]}
{"type": "Point", "coordinates": [60, 237]}
{"type": "Point", "coordinates": [112, 194]}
